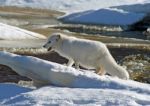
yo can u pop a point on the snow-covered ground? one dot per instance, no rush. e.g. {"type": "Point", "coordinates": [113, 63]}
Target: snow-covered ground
{"type": "Point", "coordinates": [86, 88]}
{"type": "Point", "coordinates": [14, 95]}
{"type": "Point", "coordinates": [14, 37]}
{"type": "Point", "coordinates": [79, 87]}
{"type": "Point", "coordinates": [11, 32]}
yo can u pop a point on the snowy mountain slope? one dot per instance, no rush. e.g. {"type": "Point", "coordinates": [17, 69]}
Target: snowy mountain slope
{"type": "Point", "coordinates": [69, 5]}
{"type": "Point", "coordinates": [109, 16]}
{"type": "Point", "coordinates": [11, 32]}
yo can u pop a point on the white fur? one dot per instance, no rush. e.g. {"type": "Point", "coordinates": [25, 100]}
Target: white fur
{"type": "Point", "coordinates": [87, 53]}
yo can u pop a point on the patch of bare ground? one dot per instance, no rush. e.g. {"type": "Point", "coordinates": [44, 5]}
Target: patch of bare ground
{"type": "Point", "coordinates": [8, 75]}
{"type": "Point", "coordinates": [45, 31]}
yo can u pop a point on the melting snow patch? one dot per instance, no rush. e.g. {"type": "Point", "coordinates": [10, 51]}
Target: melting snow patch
{"type": "Point", "coordinates": [11, 32]}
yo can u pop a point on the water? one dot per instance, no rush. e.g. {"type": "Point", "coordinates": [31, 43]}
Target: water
{"type": "Point", "coordinates": [115, 31]}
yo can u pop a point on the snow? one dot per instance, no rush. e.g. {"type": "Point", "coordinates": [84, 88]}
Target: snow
{"type": "Point", "coordinates": [68, 86]}
{"type": "Point", "coordinates": [10, 90]}
{"type": "Point", "coordinates": [50, 95]}
{"type": "Point", "coordinates": [70, 5]}
{"type": "Point", "coordinates": [11, 32]}
{"type": "Point", "coordinates": [109, 16]}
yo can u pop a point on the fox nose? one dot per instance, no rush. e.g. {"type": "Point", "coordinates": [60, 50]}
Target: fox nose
{"type": "Point", "coordinates": [44, 46]}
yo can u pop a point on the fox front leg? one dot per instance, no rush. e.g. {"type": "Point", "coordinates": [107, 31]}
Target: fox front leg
{"type": "Point", "coordinates": [77, 65]}
{"type": "Point", "coordinates": [100, 71]}
{"type": "Point", "coordinates": [70, 62]}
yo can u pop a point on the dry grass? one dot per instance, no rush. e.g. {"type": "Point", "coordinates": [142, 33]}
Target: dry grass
{"type": "Point", "coordinates": [46, 31]}
{"type": "Point", "coordinates": [32, 16]}
{"type": "Point", "coordinates": [141, 76]}
{"type": "Point", "coordinates": [31, 11]}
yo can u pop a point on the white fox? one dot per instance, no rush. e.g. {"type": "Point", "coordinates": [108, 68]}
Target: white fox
{"type": "Point", "coordinates": [87, 53]}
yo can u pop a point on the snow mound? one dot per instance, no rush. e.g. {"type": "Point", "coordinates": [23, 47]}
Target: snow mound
{"type": "Point", "coordinates": [10, 90]}
{"type": "Point", "coordinates": [69, 5]}
{"type": "Point", "coordinates": [51, 95]}
{"type": "Point", "coordinates": [71, 96]}
{"type": "Point", "coordinates": [103, 16]}
{"type": "Point", "coordinates": [60, 75]}
{"type": "Point", "coordinates": [11, 32]}
{"type": "Point", "coordinates": [68, 86]}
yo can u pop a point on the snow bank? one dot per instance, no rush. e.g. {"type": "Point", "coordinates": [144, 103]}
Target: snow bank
{"type": "Point", "coordinates": [103, 16]}
{"type": "Point", "coordinates": [60, 75]}
{"type": "Point", "coordinates": [11, 90]}
{"type": "Point", "coordinates": [72, 96]}
{"type": "Point", "coordinates": [69, 5]}
{"type": "Point", "coordinates": [122, 14]}
{"type": "Point", "coordinates": [115, 15]}
{"type": "Point", "coordinates": [11, 32]}
{"type": "Point", "coordinates": [80, 87]}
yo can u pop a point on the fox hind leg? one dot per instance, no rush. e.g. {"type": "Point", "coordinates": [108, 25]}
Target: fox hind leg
{"type": "Point", "coordinates": [100, 70]}
{"type": "Point", "coordinates": [70, 62]}
{"type": "Point", "coordinates": [77, 65]}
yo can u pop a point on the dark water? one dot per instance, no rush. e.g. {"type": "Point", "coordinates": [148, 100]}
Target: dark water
{"type": "Point", "coordinates": [110, 31]}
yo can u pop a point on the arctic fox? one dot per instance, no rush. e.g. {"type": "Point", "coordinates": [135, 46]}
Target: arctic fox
{"type": "Point", "coordinates": [87, 53]}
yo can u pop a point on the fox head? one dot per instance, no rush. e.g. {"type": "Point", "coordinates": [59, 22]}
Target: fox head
{"type": "Point", "coordinates": [52, 41]}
